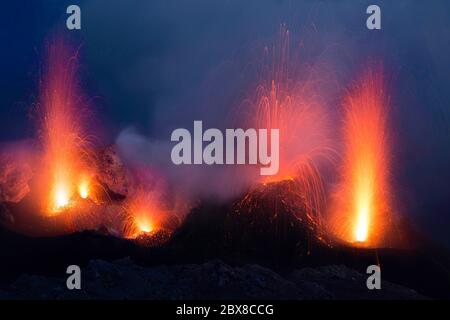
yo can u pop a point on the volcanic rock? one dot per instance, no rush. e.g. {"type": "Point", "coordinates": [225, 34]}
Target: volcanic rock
{"type": "Point", "coordinates": [341, 282]}
{"type": "Point", "coordinates": [14, 178]}
{"type": "Point", "coordinates": [336, 272]}
{"type": "Point", "coordinates": [122, 279]}
{"type": "Point", "coordinates": [271, 222]}
{"type": "Point", "coordinates": [155, 238]}
{"type": "Point", "coordinates": [274, 218]}
{"type": "Point", "coordinates": [112, 172]}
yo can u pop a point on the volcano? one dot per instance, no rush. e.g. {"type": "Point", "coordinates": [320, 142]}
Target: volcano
{"type": "Point", "coordinates": [274, 217]}
{"type": "Point", "coordinates": [79, 203]}
{"type": "Point", "coordinates": [268, 226]}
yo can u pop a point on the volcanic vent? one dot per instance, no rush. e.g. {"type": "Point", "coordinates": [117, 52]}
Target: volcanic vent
{"type": "Point", "coordinates": [271, 221]}
{"type": "Point", "coordinates": [274, 217]}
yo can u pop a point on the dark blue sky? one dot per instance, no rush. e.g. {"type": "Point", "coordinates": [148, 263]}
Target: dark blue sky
{"type": "Point", "coordinates": [158, 64]}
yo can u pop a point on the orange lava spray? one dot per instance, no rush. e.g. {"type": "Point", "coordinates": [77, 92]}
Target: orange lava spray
{"type": "Point", "coordinates": [287, 99]}
{"type": "Point", "coordinates": [361, 206]}
{"type": "Point", "coordinates": [61, 131]}
{"type": "Point", "coordinates": [144, 212]}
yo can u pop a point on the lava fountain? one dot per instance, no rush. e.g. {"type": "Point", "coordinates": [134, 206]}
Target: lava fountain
{"type": "Point", "coordinates": [287, 99]}
{"type": "Point", "coordinates": [145, 211]}
{"type": "Point", "coordinates": [61, 132]}
{"type": "Point", "coordinates": [361, 203]}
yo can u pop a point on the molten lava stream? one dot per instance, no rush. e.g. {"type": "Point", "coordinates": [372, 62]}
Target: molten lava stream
{"type": "Point", "coordinates": [361, 205]}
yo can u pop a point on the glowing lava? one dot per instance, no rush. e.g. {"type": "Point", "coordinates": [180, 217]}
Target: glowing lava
{"type": "Point", "coordinates": [83, 191]}
{"type": "Point", "coordinates": [83, 188]}
{"type": "Point", "coordinates": [287, 99]}
{"type": "Point", "coordinates": [361, 205]}
{"type": "Point", "coordinates": [61, 197]}
{"type": "Point", "coordinates": [144, 225]}
{"type": "Point", "coordinates": [362, 225]}
{"type": "Point", "coordinates": [61, 131]}
{"type": "Point", "coordinates": [144, 210]}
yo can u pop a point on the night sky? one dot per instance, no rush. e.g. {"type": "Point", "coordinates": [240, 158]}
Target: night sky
{"type": "Point", "coordinates": [158, 65]}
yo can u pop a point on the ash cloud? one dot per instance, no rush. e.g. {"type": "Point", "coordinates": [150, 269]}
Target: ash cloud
{"type": "Point", "coordinates": [190, 181]}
